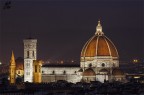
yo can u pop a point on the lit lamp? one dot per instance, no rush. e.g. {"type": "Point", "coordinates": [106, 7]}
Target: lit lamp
{"type": "Point", "coordinates": [0, 63]}
{"type": "Point", "coordinates": [135, 61]}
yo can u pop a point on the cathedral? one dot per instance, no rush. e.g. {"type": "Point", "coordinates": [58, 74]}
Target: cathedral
{"type": "Point", "coordinates": [99, 61]}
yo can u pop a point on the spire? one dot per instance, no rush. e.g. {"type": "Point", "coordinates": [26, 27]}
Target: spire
{"type": "Point", "coordinates": [12, 60]}
{"type": "Point", "coordinates": [99, 29]}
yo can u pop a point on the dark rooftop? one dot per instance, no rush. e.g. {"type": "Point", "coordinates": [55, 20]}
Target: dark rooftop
{"type": "Point", "coordinates": [61, 65]}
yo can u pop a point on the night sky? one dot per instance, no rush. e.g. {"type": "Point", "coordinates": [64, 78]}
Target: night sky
{"type": "Point", "coordinates": [62, 27]}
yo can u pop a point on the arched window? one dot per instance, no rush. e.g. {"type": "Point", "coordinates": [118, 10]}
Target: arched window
{"type": "Point", "coordinates": [53, 72]}
{"type": "Point", "coordinates": [42, 71]}
{"type": "Point", "coordinates": [35, 68]}
{"type": "Point", "coordinates": [90, 65]}
{"type": "Point", "coordinates": [33, 53]}
{"type": "Point", "coordinates": [64, 72]}
{"type": "Point", "coordinates": [27, 54]}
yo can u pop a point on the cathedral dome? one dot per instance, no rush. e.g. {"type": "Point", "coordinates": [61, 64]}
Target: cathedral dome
{"type": "Point", "coordinates": [89, 72]}
{"type": "Point", "coordinates": [99, 45]}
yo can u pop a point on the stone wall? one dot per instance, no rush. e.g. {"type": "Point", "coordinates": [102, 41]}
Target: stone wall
{"type": "Point", "coordinates": [52, 74]}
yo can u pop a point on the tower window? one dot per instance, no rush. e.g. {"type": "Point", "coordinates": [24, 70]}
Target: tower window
{"type": "Point", "coordinates": [28, 54]}
{"type": "Point", "coordinates": [35, 68]}
{"type": "Point", "coordinates": [28, 64]}
{"type": "Point", "coordinates": [33, 53]}
{"type": "Point", "coordinates": [18, 72]}
{"type": "Point", "coordinates": [27, 73]}
{"type": "Point", "coordinates": [39, 68]}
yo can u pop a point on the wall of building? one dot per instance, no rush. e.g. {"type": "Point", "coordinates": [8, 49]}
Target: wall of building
{"type": "Point", "coordinates": [52, 74]}
{"type": "Point", "coordinates": [53, 78]}
{"type": "Point", "coordinates": [60, 70]}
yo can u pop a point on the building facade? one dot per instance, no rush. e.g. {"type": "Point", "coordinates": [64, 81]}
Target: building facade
{"type": "Point", "coordinates": [12, 69]}
{"type": "Point", "coordinates": [37, 72]}
{"type": "Point", "coordinates": [30, 54]}
{"type": "Point", "coordinates": [99, 61]}
{"type": "Point", "coordinates": [100, 55]}
{"type": "Point", "coordinates": [55, 73]}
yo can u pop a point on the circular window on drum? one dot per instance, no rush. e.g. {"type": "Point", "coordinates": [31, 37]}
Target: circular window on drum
{"type": "Point", "coordinates": [103, 64]}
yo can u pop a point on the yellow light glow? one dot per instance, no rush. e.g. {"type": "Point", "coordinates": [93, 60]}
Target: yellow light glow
{"type": "Point", "coordinates": [136, 77]}
{"type": "Point", "coordinates": [135, 60]}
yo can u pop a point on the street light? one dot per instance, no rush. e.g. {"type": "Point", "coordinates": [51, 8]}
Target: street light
{"type": "Point", "coordinates": [0, 63]}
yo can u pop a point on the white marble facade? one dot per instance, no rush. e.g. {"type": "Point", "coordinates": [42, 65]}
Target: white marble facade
{"type": "Point", "coordinates": [99, 55]}
{"type": "Point", "coordinates": [30, 54]}
{"type": "Point", "coordinates": [52, 74]}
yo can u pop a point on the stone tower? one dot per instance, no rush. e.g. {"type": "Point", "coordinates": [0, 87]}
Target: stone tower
{"type": "Point", "coordinates": [30, 54]}
{"type": "Point", "coordinates": [12, 69]}
{"type": "Point", "coordinates": [37, 78]}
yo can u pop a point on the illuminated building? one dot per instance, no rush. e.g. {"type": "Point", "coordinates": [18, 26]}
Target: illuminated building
{"type": "Point", "coordinates": [100, 57]}
{"type": "Point", "coordinates": [30, 53]}
{"type": "Point", "coordinates": [99, 62]}
{"type": "Point", "coordinates": [37, 78]}
{"type": "Point", "coordinates": [61, 72]}
{"type": "Point", "coordinates": [19, 67]}
{"type": "Point", "coordinates": [12, 69]}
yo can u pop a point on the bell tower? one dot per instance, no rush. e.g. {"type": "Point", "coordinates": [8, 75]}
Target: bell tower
{"type": "Point", "coordinates": [12, 69]}
{"type": "Point", "coordinates": [30, 54]}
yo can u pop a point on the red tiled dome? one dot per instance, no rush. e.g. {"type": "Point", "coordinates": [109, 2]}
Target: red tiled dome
{"type": "Point", "coordinates": [99, 45]}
